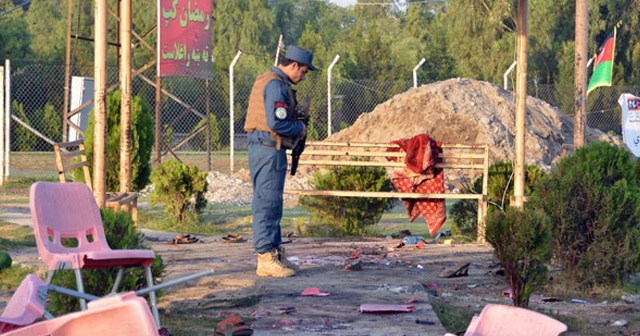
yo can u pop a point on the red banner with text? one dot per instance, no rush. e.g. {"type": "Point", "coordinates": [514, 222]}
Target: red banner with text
{"type": "Point", "coordinates": [184, 38]}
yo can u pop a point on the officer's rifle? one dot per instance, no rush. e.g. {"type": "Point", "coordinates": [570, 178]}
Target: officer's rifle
{"type": "Point", "coordinates": [296, 152]}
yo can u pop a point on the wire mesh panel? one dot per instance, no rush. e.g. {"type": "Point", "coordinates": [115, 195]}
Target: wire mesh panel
{"type": "Point", "coordinates": [195, 120]}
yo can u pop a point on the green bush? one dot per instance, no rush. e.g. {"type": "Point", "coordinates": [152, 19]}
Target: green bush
{"type": "Point", "coordinates": [346, 216]}
{"type": "Point", "coordinates": [168, 137]}
{"type": "Point", "coordinates": [180, 188]}
{"type": "Point", "coordinates": [121, 234]}
{"type": "Point", "coordinates": [23, 139]}
{"type": "Point", "coordinates": [500, 189]}
{"type": "Point", "coordinates": [5, 260]}
{"type": "Point", "coordinates": [199, 141]}
{"type": "Point", "coordinates": [593, 200]}
{"type": "Point", "coordinates": [142, 139]}
{"type": "Point", "coordinates": [520, 242]}
{"type": "Point", "coordinates": [49, 123]}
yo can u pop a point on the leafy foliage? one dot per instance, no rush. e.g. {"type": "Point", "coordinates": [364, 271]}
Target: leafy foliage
{"type": "Point", "coordinates": [142, 138]}
{"type": "Point", "coordinates": [180, 188]}
{"type": "Point", "coordinates": [457, 38]}
{"type": "Point", "coordinates": [347, 216]}
{"type": "Point", "coordinates": [500, 190]}
{"type": "Point", "coordinates": [520, 239]}
{"type": "Point", "coordinates": [121, 234]}
{"type": "Point", "coordinates": [593, 201]}
{"type": "Point", "coordinates": [25, 140]}
{"type": "Point", "coordinates": [200, 140]}
{"type": "Point", "coordinates": [50, 124]}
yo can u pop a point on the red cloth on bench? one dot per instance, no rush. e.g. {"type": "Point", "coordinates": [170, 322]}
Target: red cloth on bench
{"type": "Point", "coordinates": [421, 176]}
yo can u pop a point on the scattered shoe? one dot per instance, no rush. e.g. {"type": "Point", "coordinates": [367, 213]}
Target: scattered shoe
{"type": "Point", "coordinates": [233, 326]}
{"type": "Point", "coordinates": [459, 270]}
{"type": "Point", "coordinates": [233, 238]}
{"type": "Point", "coordinates": [354, 266]}
{"type": "Point", "coordinates": [184, 239]}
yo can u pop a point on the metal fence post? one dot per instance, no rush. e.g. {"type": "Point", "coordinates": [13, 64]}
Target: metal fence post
{"type": "Point", "coordinates": [506, 73]}
{"type": "Point", "coordinates": [2, 154]}
{"type": "Point", "coordinates": [7, 116]}
{"type": "Point", "coordinates": [231, 112]}
{"type": "Point", "coordinates": [335, 60]}
{"type": "Point", "coordinates": [415, 73]}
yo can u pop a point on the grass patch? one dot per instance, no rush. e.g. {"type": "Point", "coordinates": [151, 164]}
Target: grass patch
{"type": "Point", "coordinates": [214, 220]}
{"type": "Point", "coordinates": [10, 278]}
{"type": "Point", "coordinates": [453, 318]}
{"type": "Point", "coordinates": [221, 219]}
{"type": "Point", "coordinates": [14, 236]}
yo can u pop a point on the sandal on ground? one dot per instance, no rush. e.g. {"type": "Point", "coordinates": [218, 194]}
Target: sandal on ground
{"type": "Point", "coordinates": [184, 239]}
{"type": "Point", "coordinates": [459, 270]}
{"type": "Point", "coordinates": [233, 238]}
{"type": "Point", "coordinates": [233, 326]}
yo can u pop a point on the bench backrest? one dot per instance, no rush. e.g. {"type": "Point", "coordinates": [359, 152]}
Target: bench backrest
{"type": "Point", "coordinates": [463, 163]}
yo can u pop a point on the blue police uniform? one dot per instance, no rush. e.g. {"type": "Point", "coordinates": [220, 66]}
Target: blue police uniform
{"type": "Point", "coordinates": [268, 160]}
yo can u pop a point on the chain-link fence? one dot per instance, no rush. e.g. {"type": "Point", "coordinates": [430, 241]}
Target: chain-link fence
{"type": "Point", "coordinates": [37, 102]}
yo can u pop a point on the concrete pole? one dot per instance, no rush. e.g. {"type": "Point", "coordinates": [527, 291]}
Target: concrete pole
{"type": "Point", "coordinates": [100, 101]}
{"type": "Point", "coordinates": [7, 118]}
{"type": "Point", "coordinates": [506, 74]}
{"type": "Point", "coordinates": [125, 90]}
{"type": "Point", "coordinates": [580, 73]}
{"type": "Point", "coordinates": [275, 63]}
{"type": "Point", "coordinates": [521, 98]}
{"type": "Point", "coordinates": [415, 73]}
{"type": "Point", "coordinates": [335, 60]}
{"type": "Point", "coordinates": [2, 154]}
{"type": "Point", "coordinates": [232, 130]}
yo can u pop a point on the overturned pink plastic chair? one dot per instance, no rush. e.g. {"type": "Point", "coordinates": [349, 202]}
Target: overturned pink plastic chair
{"type": "Point", "coordinates": [513, 321]}
{"type": "Point", "coordinates": [69, 210]}
{"type": "Point", "coordinates": [122, 314]}
{"type": "Point", "coordinates": [26, 305]}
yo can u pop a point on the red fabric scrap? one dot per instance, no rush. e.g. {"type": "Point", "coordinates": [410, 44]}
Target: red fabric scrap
{"type": "Point", "coordinates": [422, 154]}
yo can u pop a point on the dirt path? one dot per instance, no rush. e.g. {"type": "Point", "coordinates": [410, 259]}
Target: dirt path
{"type": "Point", "coordinates": [389, 275]}
{"type": "Point", "coordinates": [400, 276]}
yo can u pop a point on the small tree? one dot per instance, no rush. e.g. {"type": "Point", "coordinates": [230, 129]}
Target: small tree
{"type": "Point", "coordinates": [180, 188]}
{"type": "Point", "coordinates": [520, 239]}
{"type": "Point", "coordinates": [347, 215]}
{"type": "Point", "coordinates": [142, 138]}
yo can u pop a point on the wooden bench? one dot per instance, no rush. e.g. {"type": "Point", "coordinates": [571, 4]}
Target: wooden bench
{"type": "Point", "coordinates": [71, 156]}
{"type": "Point", "coordinates": [462, 164]}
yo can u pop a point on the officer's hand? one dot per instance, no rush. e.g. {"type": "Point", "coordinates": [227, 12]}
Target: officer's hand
{"type": "Point", "coordinates": [304, 131]}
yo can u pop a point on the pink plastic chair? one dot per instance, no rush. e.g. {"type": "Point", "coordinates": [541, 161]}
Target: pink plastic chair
{"type": "Point", "coordinates": [25, 306]}
{"type": "Point", "coordinates": [121, 314]}
{"type": "Point", "coordinates": [513, 321]}
{"type": "Point", "coordinates": [69, 210]}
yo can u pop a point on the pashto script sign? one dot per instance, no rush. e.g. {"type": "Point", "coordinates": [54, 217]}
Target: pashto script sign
{"type": "Point", "coordinates": [184, 38]}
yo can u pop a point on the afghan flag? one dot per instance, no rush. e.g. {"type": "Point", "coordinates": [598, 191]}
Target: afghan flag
{"type": "Point", "coordinates": [603, 67]}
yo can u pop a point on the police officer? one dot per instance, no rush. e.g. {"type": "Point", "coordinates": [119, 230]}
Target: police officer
{"type": "Point", "coordinates": [272, 126]}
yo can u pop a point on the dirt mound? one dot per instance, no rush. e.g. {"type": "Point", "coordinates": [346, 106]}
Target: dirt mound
{"type": "Point", "coordinates": [466, 111]}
